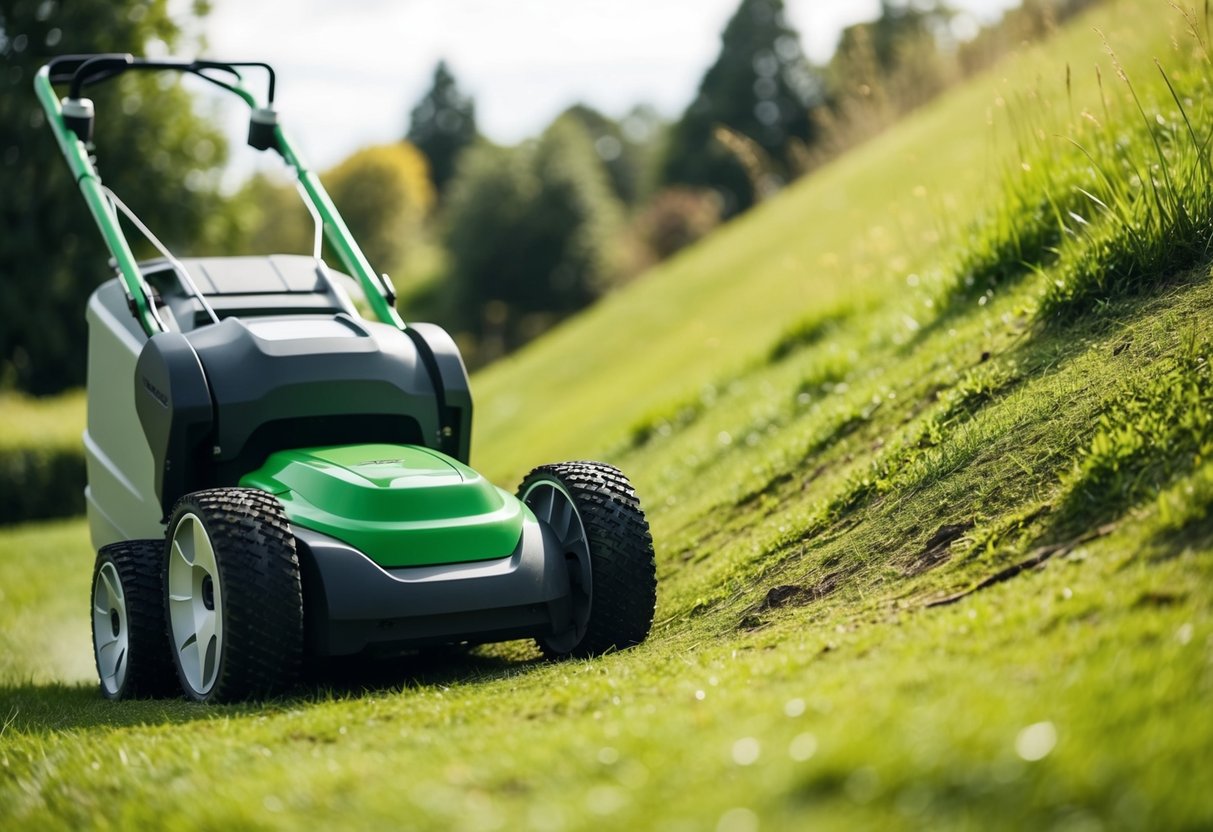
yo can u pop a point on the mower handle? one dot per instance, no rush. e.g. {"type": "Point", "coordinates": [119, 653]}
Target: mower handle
{"type": "Point", "coordinates": [81, 71]}
{"type": "Point", "coordinates": [64, 67]}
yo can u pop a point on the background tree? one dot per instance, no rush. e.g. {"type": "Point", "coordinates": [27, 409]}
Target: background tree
{"type": "Point", "coordinates": [384, 194]}
{"type": "Point", "coordinates": [273, 217]}
{"type": "Point", "coordinates": [904, 42]}
{"type": "Point", "coordinates": [443, 125]}
{"type": "Point", "coordinates": [153, 149]}
{"type": "Point", "coordinates": [761, 87]}
{"type": "Point", "coordinates": [530, 233]}
{"type": "Point", "coordinates": [622, 152]}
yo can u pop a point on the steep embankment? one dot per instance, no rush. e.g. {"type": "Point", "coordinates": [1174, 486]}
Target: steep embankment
{"type": "Point", "coordinates": [926, 447]}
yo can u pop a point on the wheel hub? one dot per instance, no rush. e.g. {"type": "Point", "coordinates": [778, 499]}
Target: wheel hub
{"type": "Point", "coordinates": [110, 637]}
{"type": "Point", "coordinates": [195, 604]}
{"type": "Point", "coordinates": [553, 507]}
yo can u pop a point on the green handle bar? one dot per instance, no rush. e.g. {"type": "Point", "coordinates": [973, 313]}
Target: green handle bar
{"type": "Point", "coordinates": [85, 173]}
{"type": "Point", "coordinates": [89, 182]}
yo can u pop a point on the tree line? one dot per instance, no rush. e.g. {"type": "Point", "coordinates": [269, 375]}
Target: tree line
{"type": "Point", "coordinates": [496, 243]}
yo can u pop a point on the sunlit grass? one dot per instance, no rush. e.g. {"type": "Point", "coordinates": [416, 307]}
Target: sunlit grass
{"type": "Point", "coordinates": [847, 406]}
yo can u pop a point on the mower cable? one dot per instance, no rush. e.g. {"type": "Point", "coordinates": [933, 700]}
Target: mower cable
{"type": "Point", "coordinates": [177, 265]}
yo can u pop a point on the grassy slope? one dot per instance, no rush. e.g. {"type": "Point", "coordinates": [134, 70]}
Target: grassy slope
{"type": "Point", "coordinates": [846, 238]}
{"type": "Point", "coordinates": [811, 478]}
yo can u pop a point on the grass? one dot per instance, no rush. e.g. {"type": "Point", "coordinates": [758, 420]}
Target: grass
{"type": "Point", "coordinates": [932, 498]}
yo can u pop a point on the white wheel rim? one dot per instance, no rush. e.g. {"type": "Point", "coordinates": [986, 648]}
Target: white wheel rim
{"type": "Point", "coordinates": [553, 506]}
{"type": "Point", "coordinates": [195, 604]}
{"type": "Point", "coordinates": [111, 639]}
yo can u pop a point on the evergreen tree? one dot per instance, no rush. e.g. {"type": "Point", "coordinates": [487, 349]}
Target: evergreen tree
{"type": "Point", "coordinates": [530, 232]}
{"type": "Point", "coordinates": [442, 125]}
{"type": "Point", "coordinates": [156, 153]}
{"type": "Point", "coordinates": [621, 155]}
{"type": "Point", "coordinates": [761, 87]}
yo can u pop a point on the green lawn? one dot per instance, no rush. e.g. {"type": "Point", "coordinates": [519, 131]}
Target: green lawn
{"type": "Point", "coordinates": [937, 334]}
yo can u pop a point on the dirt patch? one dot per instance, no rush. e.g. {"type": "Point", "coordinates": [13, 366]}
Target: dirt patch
{"type": "Point", "coordinates": [938, 548]}
{"type": "Point", "coordinates": [792, 595]}
{"type": "Point", "coordinates": [773, 484]}
{"type": "Point", "coordinates": [1159, 598]}
{"type": "Point", "coordinates": [929, 398]}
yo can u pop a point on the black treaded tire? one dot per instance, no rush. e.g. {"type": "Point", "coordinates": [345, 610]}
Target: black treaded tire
{"type": "Point", "coordinates": [259, 583]}
{"type": "Point", "coordinates": [623, 567]}
{"type": "Point", "coordinates": [148, 670]}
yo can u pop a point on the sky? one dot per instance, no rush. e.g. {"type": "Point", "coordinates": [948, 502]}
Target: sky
{"type": "Point", "coordinates": [349, 72]}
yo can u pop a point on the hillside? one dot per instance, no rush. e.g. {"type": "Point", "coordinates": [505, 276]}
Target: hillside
{"type": "Point", "coordinates": [927, 447]}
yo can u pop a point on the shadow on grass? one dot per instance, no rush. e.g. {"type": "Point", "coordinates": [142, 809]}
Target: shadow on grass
{"type": "Point", "coordinates": [1129, 449]}
{"type": "Point", "coordinates": [438, 667]}
{"type": "Point", "coordinates": [928, 448]}
{"type": "Point", "coordinates": [54, 707]}
{"type": "Point", "coordinates": [1152, 436]}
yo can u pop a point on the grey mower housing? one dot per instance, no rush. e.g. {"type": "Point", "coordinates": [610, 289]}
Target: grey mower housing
{"type": "Point", "coordinates": [296, 369]}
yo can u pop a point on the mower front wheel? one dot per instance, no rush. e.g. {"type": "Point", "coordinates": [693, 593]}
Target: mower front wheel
{"type": "Point", "coordinates": [593, 512]}
{"type": "Point", "coordinates": [234, 601]}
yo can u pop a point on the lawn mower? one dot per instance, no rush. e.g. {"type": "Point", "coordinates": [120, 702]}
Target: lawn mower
{"type": "Point", "coordinates": [275, 478]}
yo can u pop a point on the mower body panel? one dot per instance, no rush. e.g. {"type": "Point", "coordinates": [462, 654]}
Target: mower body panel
{"type": "Point", "coordinates": [120, 497]}
{"type": "Point", "coordinates": [355, 605]}
{"type": "Point", "coordinates": [400, 505]}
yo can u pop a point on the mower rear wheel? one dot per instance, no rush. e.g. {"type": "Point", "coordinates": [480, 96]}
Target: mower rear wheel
{"type": "Point", "coordinates": [233, 597]}
{"type": "Point", "coordinates": [129, 646]}
{"type": "Point", "coordinates": [594, 513]}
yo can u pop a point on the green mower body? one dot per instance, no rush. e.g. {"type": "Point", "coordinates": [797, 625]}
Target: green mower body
{"type": "Point", "coordinates": [402, 505]}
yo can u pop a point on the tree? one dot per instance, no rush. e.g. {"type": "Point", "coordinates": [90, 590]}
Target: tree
{"type": "Point", "coordinates": [384, 194]}
{"type": "Point", "coordinates": [530, 233]}
{"type": "Point", "coordinates": [573, 221]}
{"type": "Point", "coordinates": [901, 23]}
{"type": "Point", "coordinates": [903, 43]}
{"type": "Point", "coordinates": [273, 217]}
{"type": "Point", "coordinates": [623, 153]}
{"type": "Point", "coordinates": [443, 125]}
{"type": "Point", "coordinates": [760, 88]}
{"type": "Point", "coordinates": [153, 150]}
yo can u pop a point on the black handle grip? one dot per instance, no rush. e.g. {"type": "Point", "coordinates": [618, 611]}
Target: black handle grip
{"type": "Point", "coordinates": [64, 67]}
{"type": "Point", "coordinates": [80, 71]}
